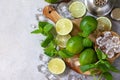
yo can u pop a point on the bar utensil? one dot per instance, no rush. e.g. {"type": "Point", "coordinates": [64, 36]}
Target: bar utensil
{"type": "Point", "coordinates": [99, 7]}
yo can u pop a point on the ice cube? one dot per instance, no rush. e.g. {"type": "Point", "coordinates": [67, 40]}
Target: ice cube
{"type": "Point", "coordinates": [40, 10]}
{"type": "Point", "coordinates": [40, 17]}
{"type": "Point", "coordinates": [45, 58]}
{"type": "Point", "coordinates": [62, 9]}
{"type": "Point", "coordinates": [43, 69]}
{"type": "Point", "coordinates": [72, 77]}
{"type": "Point", "coordinates": [52, 77]}
{"type": "Point", "coordinates": [41, 57]}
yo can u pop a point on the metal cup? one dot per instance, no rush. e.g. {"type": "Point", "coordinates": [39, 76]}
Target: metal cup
{"type": "Point", "coordinates": [99, 7]}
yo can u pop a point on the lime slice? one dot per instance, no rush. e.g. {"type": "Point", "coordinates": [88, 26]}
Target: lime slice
{"type": "Point", "coordinates": [104, 24]}
{"type": "Point", "coordinates": [56, 66]}
{"type": "Point", "coordinates": [62, 40]}
{"type": "Point", "coordinates": [64, 26]}
{"type": "Point", "coordinates": [77, 9]}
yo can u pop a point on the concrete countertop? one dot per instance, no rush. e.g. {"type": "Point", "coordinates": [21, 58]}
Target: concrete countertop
{"type": "Point", "coordinates": [19, 50]}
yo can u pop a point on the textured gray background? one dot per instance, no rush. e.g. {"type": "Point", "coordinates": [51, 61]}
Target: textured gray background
{"type": "Point", "coordinates": [19, 50]}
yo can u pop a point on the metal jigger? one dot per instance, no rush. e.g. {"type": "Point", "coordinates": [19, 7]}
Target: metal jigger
{"type": "Point", "coordinates": [99, 7]}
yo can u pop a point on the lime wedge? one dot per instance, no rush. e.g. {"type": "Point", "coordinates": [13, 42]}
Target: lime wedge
{"type": "Point", "coordinates": [77, 9]}
{"type": "Point", "coordinates": [62, 40]}
{"type": "Point", "coordinates": [64, 26]}
{"type": "Point", "coordinates": [104, 24]}
{"type": "Point", "coordinates": [56, 66]}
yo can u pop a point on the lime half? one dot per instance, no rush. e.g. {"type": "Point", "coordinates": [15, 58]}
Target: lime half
{"type": "Point", "coordinates": [64, 26]}
{"type": "Point", "coordinates": [104, 24]}
{"type": "Point", "coordinates": [77, 9]}
{"type": "Point", "coordinates": [56, 66]}
{"type": "Point", "coordinates": [62, 40]}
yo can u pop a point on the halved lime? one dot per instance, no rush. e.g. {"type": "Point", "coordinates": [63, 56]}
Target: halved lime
{"type": "Point", "coordinates": [64, 26]}
{"type": "Point", "coordinates": [104, 24]}
{"type": "Point", "coordinates": [56, 66]}
{"type": "Point", "coordinates": [77, 9]}
{"type": "Point", "coordinates": [62, 40]}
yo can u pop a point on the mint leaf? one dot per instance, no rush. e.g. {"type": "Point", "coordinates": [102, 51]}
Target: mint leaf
{"type": "Point", "coordinates": [47, 28]}
{"type": "Point", "coordinates": [100, 54]}
{"type": "Point", "coordinates": [37, 31]}
{"type": "Point", "coordinates": [64, 53]}
{"type": "Point", "coordinates": [47, 40]}
{"type": "Point", "coordinates": [42, 24]}
{"type": "Point", "coordinates": [51, 1]}
{"type": "Point", "coordinates": [108, 76]}
{"type": "Point", "coordinates": [110, 66]}
{"type": "Point", "coordinates": [87, 67]}
{"type": "Point", "coordinates": [114, 69]}
{"type": "Point", "coordinates": [50, 50]}
{"type": "Point", "coordinates": [102, 67]}
{"type": "Point", "coordinates": [44, 28]}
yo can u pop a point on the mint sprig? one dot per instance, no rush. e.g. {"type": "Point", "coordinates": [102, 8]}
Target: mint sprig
{"type": "Point", "coordinates": [48, 39]}
{"type": "Point", "coordinates": [100, 54]}
{"type": "Point", "coordinates": [64, 53]}
{"type": "Point", "coordinates": [50, 50]}
{"type": "Point", "coordinates": [43, 28]}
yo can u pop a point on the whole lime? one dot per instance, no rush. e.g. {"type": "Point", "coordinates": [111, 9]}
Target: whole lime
{"type": "Point", "coordinates": [88, 56]}
{"type": "Point", "coordinates": [74, 45]}
{"type": "Point", "coordinates": [87, 42]}
{"type": "Point", "coordinates": [88, 25]}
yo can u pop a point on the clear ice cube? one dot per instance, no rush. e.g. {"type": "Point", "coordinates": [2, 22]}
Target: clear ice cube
{"type": "Point", "coordinates": [44, 58]}
{"type": "Point", "coordinates": [52, 77]}
{"type": "Point", "coordinates": [43, 69]}
{"type": "Point", "coordinates": [40, 10]}
{"type": "Point", "coordinates": [62, 9]}
{"type": "Point", "coordinates": [40, 17]}
{"type": "Point", "coordinates": [72, 77]}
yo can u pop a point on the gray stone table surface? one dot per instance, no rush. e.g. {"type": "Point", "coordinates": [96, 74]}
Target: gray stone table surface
{"type": "Point", "coordinates": [19, 50]}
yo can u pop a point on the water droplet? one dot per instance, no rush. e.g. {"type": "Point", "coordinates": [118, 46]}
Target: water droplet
{"type": "Point", "coordinates": [33, 26]}
{"type": "Point", "coordinates": [40, 10]}
{"type": "Point", "coordinates": [41, 57]}
{"type": "Point", "coordinates": [84, 76]}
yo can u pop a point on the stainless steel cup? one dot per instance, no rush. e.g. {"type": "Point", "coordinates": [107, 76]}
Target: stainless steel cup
{"type": "Point", "coordinates": [99, 7]}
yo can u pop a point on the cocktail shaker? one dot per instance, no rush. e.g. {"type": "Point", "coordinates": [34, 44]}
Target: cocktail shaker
{"type": "Point", "coordinates": [99, 7]}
